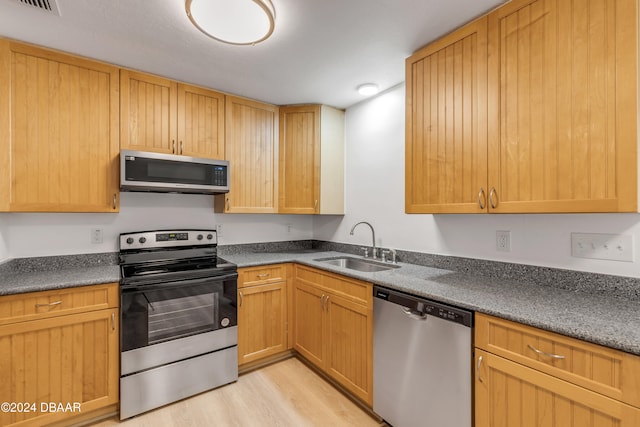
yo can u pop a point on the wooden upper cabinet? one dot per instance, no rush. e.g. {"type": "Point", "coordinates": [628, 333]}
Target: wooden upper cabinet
{"type": "Point", "coordinates": [148, 109]}
{"type": "Point", "coordinates": [251, 146]}
{"type": "Point", "coordinates": [200, 122]}
{"type": "Point", "coordinates": [58, 132]}
{"type": "Point", "coordinates": [311, 160]}
{"type": "Point", "coordinates": [562, 106]}
{"type": "Point", "coordinates": [164, 116]}
{"type": "Point", "coordinates": [446, 126]}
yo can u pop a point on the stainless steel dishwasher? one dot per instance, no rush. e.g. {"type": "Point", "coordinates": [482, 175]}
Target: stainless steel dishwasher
{"type": "Point", "coordinates": [422, 361]}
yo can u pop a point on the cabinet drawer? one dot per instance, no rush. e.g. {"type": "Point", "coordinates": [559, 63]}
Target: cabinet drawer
{"type": "Point", "coordinates": [264, 274]}
{"type": "Point", "coordinates": [601, 369]}
{"type": "Point", "coordinates": [41, 305]}
{"type": "Point", "coordinates": [352, 289]}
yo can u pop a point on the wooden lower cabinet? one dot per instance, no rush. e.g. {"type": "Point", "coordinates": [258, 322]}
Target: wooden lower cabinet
{"type": "Point", "coordinates": [262, 321]}
{"type": "Point", "coordinates": [70, 362]}
{"type": "Point", "coordinates": [334, 330]}
{"type": "Point", "coordinates": [510, 394]}
{"type": "Point", "coordinates": [263, 314]}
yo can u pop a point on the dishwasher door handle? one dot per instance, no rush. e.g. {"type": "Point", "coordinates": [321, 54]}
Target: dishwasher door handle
{"type": "Point", "coordinates": [415, 315]}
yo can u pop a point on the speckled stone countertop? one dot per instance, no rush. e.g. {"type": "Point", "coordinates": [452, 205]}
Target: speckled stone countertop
{"type": "Point", "coordinates": [612, 321]}
{"type": "Point", "coordinates": [40, 274]}
{"type": "Point", "coordinates": [596, 308]}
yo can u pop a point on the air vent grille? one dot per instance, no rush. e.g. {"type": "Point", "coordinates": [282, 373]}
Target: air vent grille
{"type": "Point", "coordinates": [45, 5]}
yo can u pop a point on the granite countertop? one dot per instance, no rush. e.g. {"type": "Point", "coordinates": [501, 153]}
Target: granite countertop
{"type": "Point", "coordinates": [609, 321]}
{"type": "Point", "coordinates": [597, 317]}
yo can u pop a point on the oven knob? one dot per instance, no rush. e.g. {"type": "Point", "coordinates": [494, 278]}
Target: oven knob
{"type": "Point", "coordinates": [142, 239]}
{"type": "Point", "coordinates": [130, 240]}
{"type": "Point", "coordinates": [224, 322]}
{"type": "Point", "coordinates": [209, 236]}
{"type": "Point", "coordinates": [199, 236]}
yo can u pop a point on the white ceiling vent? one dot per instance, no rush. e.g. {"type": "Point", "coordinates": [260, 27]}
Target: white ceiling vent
{"type": "Point", "coordinates": [45, 5]}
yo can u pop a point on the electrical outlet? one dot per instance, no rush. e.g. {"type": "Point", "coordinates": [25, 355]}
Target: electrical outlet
{"type": "Point", "coordinates": [288, 228]}
{"type": "Point", "coordinates": [503, 241]}
{"type": "Point", "coordinates": [219, 230]}
{"type": "Point", "coordinates": [96, 235]}
{"type": "Point", "coordinates": [614, 247]}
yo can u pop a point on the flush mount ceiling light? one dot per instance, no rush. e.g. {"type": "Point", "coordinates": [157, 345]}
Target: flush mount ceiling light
{"type": "Point", "coordinates": [368, 89]}
{"type": "Point", "coordinates": [240, 22]}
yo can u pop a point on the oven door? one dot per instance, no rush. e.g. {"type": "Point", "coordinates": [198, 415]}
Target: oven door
{"type": "Point", "coordinates": [154, 314]}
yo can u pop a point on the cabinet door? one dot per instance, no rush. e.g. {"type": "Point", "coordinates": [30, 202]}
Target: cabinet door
{"type": "Point", "coordinates": [200, 122]}
{"type": "Point", "coordinates": [262, 321]}
{"type": "Point", "coordinates": [251, 148]}
{"type": "Point", "coordinates": [148, 111]}
{"type": "Point", "coordinates": [350, 345]}
{"type": "Point", "coordinates": [509, 394]}
{"type": "Point", "coordinates": [58, 132]}
{"type": "Point", "coordinates": [299, 159]}
{"type": "Point", "coordinates": [68, 360]}
{"type": "Point", "coordinates": [562, 106]}
{"type": "Point", "coordinates": [308, 323]}
{"type": "Point", "coordinates": [446, 124]}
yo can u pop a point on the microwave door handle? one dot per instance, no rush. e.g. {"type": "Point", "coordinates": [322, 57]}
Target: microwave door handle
{"type": "Point", "coordinates": [177, 283]}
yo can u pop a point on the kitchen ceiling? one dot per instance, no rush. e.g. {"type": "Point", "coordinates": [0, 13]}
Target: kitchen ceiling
{"type": "Point", "coordinates": [320, 51]}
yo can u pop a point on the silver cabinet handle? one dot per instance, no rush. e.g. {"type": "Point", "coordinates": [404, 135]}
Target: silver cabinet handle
{"type": "Point", "coordinates": [241, 297]}
{"type": "Point", "coordinates": [415, 315]}
{"type": "Point", "coordinates": [322, 301]}
{"type": "Point", "coordinates": [315, 205]}
{"type": "Point", "coordinates": [51, 304]}
{"type": "Point", "coordinates": [113, 321]}
{"type": "Point", "coordinates": [263, 275]}
{"type": "Point", "coordinates": [542, 353]}
{"type": "Point", "coordinates": [493, 193]}
{"type": "Point", "coordinates": [478, 370]}
{"type": "Point", "coordinates": [482, 200]}
{"type": "Point", "coordinates": [114, 201]}
{"type": "Point", "coordinates": [326, 302]}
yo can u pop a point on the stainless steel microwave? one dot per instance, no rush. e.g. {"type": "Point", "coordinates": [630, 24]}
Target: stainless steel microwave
{"type": "Point", "coordinates": [167, 173]}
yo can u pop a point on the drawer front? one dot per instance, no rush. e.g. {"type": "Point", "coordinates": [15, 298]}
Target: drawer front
{"type": "Point", "coordinates": [601, 369]}
{"type": "Point", "coordinates": [41, 305]}
{"type": "Point", "coordinates": [352, 289]}
{"type": "Point", "coordinates": [262, 275]}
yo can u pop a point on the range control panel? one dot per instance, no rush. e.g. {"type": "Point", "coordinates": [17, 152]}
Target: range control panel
{"type": "Point", "coordinates": [425, 306]}
{"type": "Point", "coordinates": [167, 238]}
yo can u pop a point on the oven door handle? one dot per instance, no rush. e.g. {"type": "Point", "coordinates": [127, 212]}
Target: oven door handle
{"type": "Point", "coordinates": [176, 283]}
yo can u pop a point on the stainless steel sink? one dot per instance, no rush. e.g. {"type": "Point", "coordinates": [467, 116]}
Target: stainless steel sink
{"type": "Point", "coordinates": [358, 264]}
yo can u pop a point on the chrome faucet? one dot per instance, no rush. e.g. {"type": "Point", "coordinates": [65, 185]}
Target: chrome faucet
{"type": "Point", "coordinates": [374, 254]}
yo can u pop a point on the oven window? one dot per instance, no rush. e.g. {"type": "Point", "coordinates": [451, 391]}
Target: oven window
{"type": "Point", "coordinates": [181, 316]}
{"type": "Point", "coordinates": [151, 315]}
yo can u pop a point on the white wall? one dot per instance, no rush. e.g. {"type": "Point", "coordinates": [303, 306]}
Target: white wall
{"type": "Point", "coordinates": [375, 193]}
{"type": "Point", "coordinates": [62, 234]}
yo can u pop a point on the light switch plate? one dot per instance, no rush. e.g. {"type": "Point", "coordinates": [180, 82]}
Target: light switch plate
{"type": "Point", "coordinates": [614, 247]}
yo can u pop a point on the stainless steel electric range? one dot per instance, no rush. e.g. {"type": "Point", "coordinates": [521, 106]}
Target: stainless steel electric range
{"type": "Point", "coordinates": [178, 312]}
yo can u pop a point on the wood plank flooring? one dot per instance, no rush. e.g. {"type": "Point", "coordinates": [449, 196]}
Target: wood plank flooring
{"type": "Point", "coordinates": [286, 393]}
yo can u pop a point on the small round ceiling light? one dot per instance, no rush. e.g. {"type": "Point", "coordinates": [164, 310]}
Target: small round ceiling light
{"type": "Point", "coordinates": [368, 89]}
{"type": "Point", "coordinates": [239, 22]}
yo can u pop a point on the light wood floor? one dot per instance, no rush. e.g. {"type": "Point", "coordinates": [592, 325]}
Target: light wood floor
{"type": "Point", "coordinates": [286, 393]}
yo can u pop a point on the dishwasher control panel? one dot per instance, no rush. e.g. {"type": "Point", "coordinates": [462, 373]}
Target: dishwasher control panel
{"type": "Point", "coordinates": [424, 306]}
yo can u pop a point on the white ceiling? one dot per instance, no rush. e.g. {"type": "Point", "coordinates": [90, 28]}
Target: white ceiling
{"type": "Point", "coordinates": [320, 51]}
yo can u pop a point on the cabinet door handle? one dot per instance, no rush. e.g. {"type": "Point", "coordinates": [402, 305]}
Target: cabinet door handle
{"type": "Point", "coordinates": [482, 200]}
{"type": "Point", "coordinates": [493, 193]}
{"type": "Point", "coordinates": [478, 376]}
{"type": "Point", "coordinates": [228, 204]}
{"type": "Point", "coordinates": [326, 303]}
{"type": "Point", "coordinates": [51, 304]}
{"type": "Point", "coordinates": [241, 297]}
{"type": "Point", "coordinates": [263, 275]}
{"type": "Point", "coordinates": [315, 205]}
{"type": "Point", "coordinates": [542, 353]}
{"type": "Point", "coordinates": [322, 301]}
{"type": "Point", "coordinates": [173, 146]}
{"type": "Point", "coordinates": [181, 150]}
{"type": "Point", "coordinates": [113, 321]}
{"type": "Point", "coordinates": [114, 201]}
